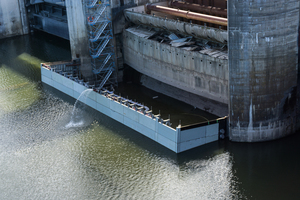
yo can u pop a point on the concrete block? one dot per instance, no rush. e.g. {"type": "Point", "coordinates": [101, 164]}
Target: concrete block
{"type": "Point", "coordinates": [116, 106]}
{"type": "Point", "coordinates": [192, 134]}
{"type": "Point", "coordinates": [191, 144]}
{"type": "Point", "coordinates": [63, 88]}
{"type": "Point", "coordinates": [131, 114]}
{"type": "Point", "coordinates": [211, 138]}
{"type": "Point", "coordinates": [166, 132]}
{"type": "Point", "coordinates": [67, 91]}
{"type": "Point", "coordinates": [56, 85]}
{"type": "Point", "coordinates": [97, 96]}
{"type": "Point", "coordinates": [68, 83]}
{"type": "Point", "coordinates": [57, 78]}
{"type": "Point", "coordinates": [78, 88]}
{"type": "Point", "coordinates": [76, 94]}
{"type": "Point", "coordinates": [92, 95]}
{"type": "Point", "coordinates": [139, 128]}
{"type": "Point", "coordinates": [166, 142]}
{"type": "Point", "coordinates": [46, 72]}
{"type": "Point", "coordinates": [91, 103]}
{"type": "Point", "coordinates": [130, 123]}
{"type": "Point", "coordinates": [147, 121]}
{"type": "Point", "coordinates": [103, 109]}
{"type": "Point", "coordinates": [103, 100]}
{"type": "Point", "coordinates": [117, 116]}
{"type": "Point", "coordinates": [145, 131]}
{"type": "Point", "coordinates": [47, 80]}
{"type": "Point", "coordinates": [212, 130]}
{"type": "Point", "coordinates": [83, 99]}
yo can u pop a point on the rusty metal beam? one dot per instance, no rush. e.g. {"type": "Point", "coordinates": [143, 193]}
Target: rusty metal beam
{"type": "Point", "coordinates": [208, 33]}
{"type": "Point", "coordinates": [199, 8]}
{"type": "Point", "coordinates": [186, 14]}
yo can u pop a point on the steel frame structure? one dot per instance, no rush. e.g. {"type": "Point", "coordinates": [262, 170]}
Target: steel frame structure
{"type": "Point", "coordinates": [101, 47]}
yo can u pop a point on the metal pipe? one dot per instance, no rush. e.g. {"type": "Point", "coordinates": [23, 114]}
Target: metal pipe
{"type": "Point", "coordinates": [200, 8]}
{"type": "Point", "coordinates": [186, 14]}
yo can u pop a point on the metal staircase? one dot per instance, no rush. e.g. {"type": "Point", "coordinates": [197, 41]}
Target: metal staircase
{"type": "Point", "coordinates": [99, 32]}
{"type": "Point", "coordinates": [100, 41]}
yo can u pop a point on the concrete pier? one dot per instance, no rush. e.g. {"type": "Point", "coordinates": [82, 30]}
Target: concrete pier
{"type": "Point", "coordinates": [78, 35]}
{"type": "Point", "coordinates": [263, 66]}
{"type": "Point", "coordinates": [13, 18]}
{"type": "Point", "coordinates": [127, 113]}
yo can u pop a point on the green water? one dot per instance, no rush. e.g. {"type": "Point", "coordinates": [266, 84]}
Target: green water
{"type": "Point", "coordinates": [42, 158]}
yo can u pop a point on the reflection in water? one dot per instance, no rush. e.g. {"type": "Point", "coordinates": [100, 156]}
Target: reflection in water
{"type": "Point", "coordinates": [16, 91]}
{"type": "Point", "coordinates": [33, 61]}
{"type": "Point", "coordinates": [98, 158]}
{"type": "Point", "coordinates": [127, 171]}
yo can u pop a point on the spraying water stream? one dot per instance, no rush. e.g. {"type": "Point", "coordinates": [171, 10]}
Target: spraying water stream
{"type": "Point", "coordinates": [77, 119]}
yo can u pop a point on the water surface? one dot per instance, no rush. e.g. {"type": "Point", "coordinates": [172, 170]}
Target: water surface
{"type": "Point", "coordinates": [43, 156]}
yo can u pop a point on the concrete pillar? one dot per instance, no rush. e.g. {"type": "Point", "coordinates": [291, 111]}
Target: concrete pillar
{"type": "Point", "coordinates": [263, 66]}
{"type": "Point", "coordinates": [23, 16]}
{"type": "Point", "coordinates": [13, 19]}
{"type": "Point", "coordinates": [79, 35]}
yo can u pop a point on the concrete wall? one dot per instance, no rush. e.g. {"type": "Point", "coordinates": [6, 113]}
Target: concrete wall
{"type": "Point", "coordinates": [190, 71]}
{"type": "Point", "coordinates": [13, 19]}
{"type": "Point", "coordinates": [175, 140]}
{"type": "Point", "coordinates": [263, 61]}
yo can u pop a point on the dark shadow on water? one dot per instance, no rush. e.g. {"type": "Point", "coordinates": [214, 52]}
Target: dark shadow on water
{"type": "Point", "coordinates": [275, 165]}
{"type": "Point", "coordinates": [177, 110]}
{"type": "Point", "coordinates": [42, 46]}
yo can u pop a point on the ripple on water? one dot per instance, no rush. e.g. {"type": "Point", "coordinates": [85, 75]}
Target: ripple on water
{"type": "Point", "coordinates": [16, 91]}
{"type": "Point", "coordinates": [55, 157]}
{"type": "Point", "coordinates": [95, 162]}
{"type": "Point", "coordinates": [124, 170]}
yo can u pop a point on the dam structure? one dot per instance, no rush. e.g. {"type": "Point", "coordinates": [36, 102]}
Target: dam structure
{"type": "Point", "coordinates": [231, 58]}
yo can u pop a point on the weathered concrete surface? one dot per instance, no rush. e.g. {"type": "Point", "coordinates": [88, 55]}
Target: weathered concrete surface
{"type": "Point", "coordinates": [193, 72]}
{"type": "Point", "coordinates": [167, 22]}
{"type": "Point", "coordinates": [13, 19]}
{"type": "Point", "coordinates": [263, 61]}
{"type": "Point", "coordinates": [78, 35]}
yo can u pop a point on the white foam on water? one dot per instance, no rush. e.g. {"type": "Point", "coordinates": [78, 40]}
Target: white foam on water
{"type": "Point", "coordinates": [73, 124]}
{"type": "Point", "coordinates": [74, 115]}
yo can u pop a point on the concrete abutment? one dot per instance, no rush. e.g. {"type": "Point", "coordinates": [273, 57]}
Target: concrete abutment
{"type": "Point", "coordinates": [263, 66]}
